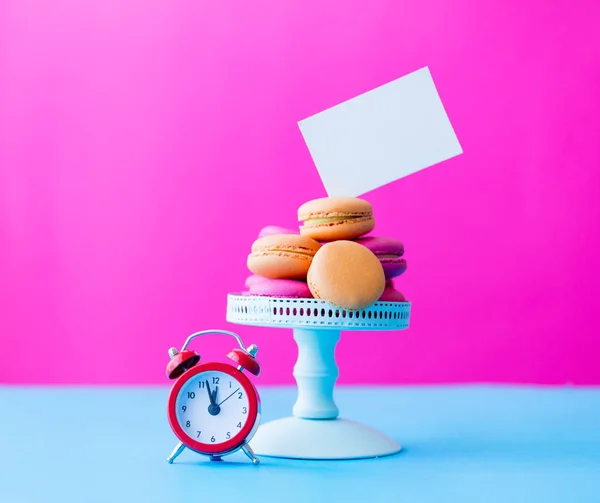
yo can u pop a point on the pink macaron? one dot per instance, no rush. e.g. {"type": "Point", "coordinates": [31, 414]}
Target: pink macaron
{"type": "Point", "coordinates": [274, 230]}
{"type": "Point", "coordinates": [389, 252]}
{"type": "Point", "coordinates": [253, 279]}
{"type": "Point", "coordinates": [288, 288]}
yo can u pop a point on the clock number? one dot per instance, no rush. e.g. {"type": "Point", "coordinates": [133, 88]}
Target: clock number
{"type": "Point", "coordinates": [191, 394]}
{"type": "Point", "coordinates": [228, 435]}
{"type": "Point", "coordinates": [244, 410]}
{"type": "Point", "coordinates": [212, 439]}
{"type": "Point", "coordinates": [187, 424]}
{"type": "Point", "coordinates": [239, 425]}
{"type": "Point", "coordinates": [230, 384]}
{"type": "Point", "coordinates": [198, 434]}
{"type": "Point", "coordinates": [201, 384]}
{"type": "Point", "coordinates": [240, 395]}
{"type": "Point", "coordinates": [215, 380]}
{"type": "Point", "coordinates": [184, 408]}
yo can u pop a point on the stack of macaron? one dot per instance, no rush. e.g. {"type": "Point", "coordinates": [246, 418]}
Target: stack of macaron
{"type": "Point", "coordinates": [332, 257]}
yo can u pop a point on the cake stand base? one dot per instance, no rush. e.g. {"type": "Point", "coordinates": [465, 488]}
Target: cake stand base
{"type": "Point", "coordinates": [324, 439]}
{"type": "Point", "coordinates": [315, 431]}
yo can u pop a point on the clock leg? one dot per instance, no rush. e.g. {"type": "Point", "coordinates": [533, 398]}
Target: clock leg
{"type": "Point", "coordinates": [250, 453]}
{"type": "Point", "coordinates": [176, 452]}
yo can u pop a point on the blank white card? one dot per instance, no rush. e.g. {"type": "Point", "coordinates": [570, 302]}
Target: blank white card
{"type": "Point", "coordinates": [380, 136]}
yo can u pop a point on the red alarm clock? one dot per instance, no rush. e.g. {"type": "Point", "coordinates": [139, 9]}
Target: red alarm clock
{"type": "Point", "coordinates": [213, 408]}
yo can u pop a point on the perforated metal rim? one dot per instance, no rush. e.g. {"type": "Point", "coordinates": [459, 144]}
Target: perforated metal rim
{"type": "Point", "coordinates": [315, 313]}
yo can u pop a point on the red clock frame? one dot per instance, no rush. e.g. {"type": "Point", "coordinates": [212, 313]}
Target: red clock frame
{"type": "Point", "coordinates": [238, 439]}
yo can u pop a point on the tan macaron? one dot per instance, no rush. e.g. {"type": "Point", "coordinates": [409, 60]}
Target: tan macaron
{"type": "Point", "coordinates": [347, 275]}
{"type": "Point", "coordinates": [333, 218]}
{"type": "Point", "coordinates": [282, 256]}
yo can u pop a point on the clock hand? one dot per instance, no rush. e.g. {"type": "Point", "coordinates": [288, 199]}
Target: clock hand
{"type": "Point", "coordinates": [229, 396]}
{"type": "Point", "coordinates": [210, 395]}
{"type": "Point", "coordinates": [213, 408]}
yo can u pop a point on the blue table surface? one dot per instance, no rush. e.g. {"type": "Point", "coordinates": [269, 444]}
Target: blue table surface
{"type": "Point", "coordinates": [464, 444]}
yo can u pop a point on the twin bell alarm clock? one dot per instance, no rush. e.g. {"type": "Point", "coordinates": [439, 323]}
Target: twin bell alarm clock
{"type": "Point", "coordinates": [213, 408]}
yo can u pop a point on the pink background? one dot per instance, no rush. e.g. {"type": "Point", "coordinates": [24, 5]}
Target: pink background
{"type": "Point", "coordinates": [143, 144]}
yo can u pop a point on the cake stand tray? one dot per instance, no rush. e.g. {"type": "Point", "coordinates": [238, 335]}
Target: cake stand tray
{"type": "Point", "coordinates": [315, 431]}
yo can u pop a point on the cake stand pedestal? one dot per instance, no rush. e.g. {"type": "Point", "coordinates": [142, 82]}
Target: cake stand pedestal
{"type": "Point", "coordinates": [315, 431]}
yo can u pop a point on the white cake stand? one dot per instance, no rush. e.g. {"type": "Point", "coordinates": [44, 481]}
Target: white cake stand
{"type": "Point", "coordinates": [315, 431]}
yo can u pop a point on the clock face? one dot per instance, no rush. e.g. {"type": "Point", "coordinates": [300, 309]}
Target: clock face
{"type": "Point", "coordinates": [212, 408]}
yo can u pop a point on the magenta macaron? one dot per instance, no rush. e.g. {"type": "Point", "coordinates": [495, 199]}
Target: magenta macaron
{"type": "Point", "coordinates": [390, 294]}
{"type": "Point", "coordinates": [289, 288]}
{"type": "Point", "coordinates": [389, 252]}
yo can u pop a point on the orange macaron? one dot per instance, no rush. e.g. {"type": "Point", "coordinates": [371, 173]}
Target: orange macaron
{"type": "Point", "coordinates": [282, 256]}
{"type": "Point", "coordinates": [347, 275]}
{"type": "Point", "coordinates": [334, 218]}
